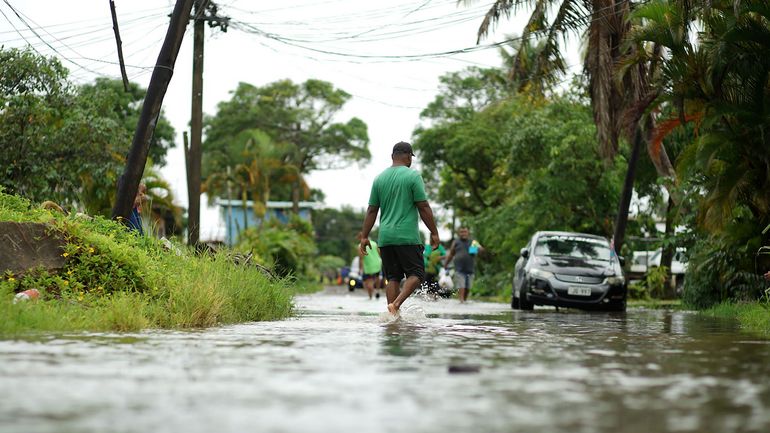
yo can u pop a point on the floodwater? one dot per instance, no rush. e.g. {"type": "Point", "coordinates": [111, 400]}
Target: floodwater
{"type": "Point", "coordinates": [446, 367]}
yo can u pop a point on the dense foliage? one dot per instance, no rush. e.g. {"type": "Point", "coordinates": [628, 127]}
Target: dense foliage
{"type": "Point", "coordinates": [515, 166]}
{"type": "Point", "coordinates": [336, 232]}
{"type": "Point", "coordinates": [288, 249]}
{"type": "Point", "coordinates": [264, 140]}
{"type": "Point", "coordinates": [718, 82]}
{"type": "Point", "coordinates": [66, 143]}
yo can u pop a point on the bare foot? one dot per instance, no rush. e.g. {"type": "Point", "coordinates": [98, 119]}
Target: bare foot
{"type": "Point", "coordinates": [392, 309]}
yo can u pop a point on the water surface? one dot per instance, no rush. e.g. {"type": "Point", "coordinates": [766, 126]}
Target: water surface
{"type": "Point", "coordinates": [339, 367]}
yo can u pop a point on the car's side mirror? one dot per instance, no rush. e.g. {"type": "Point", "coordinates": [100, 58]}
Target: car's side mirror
{"type": "Point", "coordinates": [524, 253]}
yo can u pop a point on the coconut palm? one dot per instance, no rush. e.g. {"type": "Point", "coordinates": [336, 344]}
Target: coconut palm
{"type": "Point", "coordinates": [619, 96]}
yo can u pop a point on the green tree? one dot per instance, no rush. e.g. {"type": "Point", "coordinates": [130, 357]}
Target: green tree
{"type": "Point", "coordinates": [720, 82]}
{"type": "Point", "coordinates": [460, 122]}
{"type": "Point", "coordinates": [57, 144]}
{"type": "Point", "coordinates": [619, 95]}
{"type": "Point", "coordinates": [336, 230]}
{"type": "Point", "coordinates": [126, 108]}
{"type": "Point", "coordinates": [301, 118]}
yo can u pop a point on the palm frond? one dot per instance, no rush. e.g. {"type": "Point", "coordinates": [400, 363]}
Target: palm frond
{"type": "Point", "coordinates": [499, 9]}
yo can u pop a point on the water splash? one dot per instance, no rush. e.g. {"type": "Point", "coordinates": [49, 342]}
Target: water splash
{"type": "Point", "coordinates": [410, 313]}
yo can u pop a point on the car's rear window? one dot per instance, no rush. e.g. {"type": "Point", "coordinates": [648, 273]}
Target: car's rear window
{"type": "Point", "coordinates": [572, 246]}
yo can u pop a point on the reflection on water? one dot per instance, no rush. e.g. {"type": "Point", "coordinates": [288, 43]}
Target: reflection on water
{"type": "Point", "coordinates": [339, 367]}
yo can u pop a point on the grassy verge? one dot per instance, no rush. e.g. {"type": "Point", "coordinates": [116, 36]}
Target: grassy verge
{"type": "Point", "coordinates": [656, 304]}
{"type": "Point", "coordinates": [116, 280]}
{"type": "Point", "coordinates": [753, 316]}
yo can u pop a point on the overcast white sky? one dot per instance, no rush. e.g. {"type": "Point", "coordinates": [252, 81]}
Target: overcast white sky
{"type": "Point", "coordinates": [269, 41]}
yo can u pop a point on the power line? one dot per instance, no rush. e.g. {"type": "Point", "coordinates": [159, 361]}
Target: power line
{"type": "Point", "coordinates": [44, 41]}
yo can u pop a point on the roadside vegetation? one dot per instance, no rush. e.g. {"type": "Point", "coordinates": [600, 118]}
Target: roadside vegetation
{"type": "Point", "coordinates": [116, 280]}
{"type": "Point", "coordinates": [753, 316]}
{"type": "Point", "coordinates": [522, 148]}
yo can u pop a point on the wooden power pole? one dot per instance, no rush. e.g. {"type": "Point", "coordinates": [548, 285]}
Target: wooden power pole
{"type": "Point", "coordinates": [196, 119]}
{"type": "Point", "coordinates": [153, 100]}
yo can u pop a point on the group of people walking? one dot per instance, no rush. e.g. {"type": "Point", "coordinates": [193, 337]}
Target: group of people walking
{"type": "Point", "coordinates": [398, 196]}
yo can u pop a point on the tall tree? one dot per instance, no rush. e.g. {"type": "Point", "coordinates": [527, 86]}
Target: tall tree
{"type": "Point", "coordinates": [126, 107]}
{"type": "Point", "coordinates": [299, 116]}
{"type": "Point", "coordinates": [604, 25]}
{"type": "Point", "coordinates": [57, 144]}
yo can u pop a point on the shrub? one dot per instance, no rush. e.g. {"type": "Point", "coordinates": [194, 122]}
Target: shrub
{"type": "Point", "coordinates": [719, 271]}
{"type": "Point", "coordinates": [289, 248]}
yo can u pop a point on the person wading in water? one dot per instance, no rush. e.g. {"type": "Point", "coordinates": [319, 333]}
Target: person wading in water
{"type": "Point", "coordinates": [400, 193]}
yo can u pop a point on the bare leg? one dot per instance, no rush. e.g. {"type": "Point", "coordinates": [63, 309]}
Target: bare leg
{"type": "Point", "coordinates": [410, 284]}
{"type": "Point", "coordinates": [369, 285]}
{"type": "Point", "coordinates": [463, 292]}
{"type": "Point", "coordinates": [391, 290]}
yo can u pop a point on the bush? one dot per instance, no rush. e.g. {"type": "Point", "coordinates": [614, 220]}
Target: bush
{"type": "Point", "coordinates": [638, 291]}
{"type": "Point", "coordinates": [655, 281]}
{"type": "Point", "coordinates": [719, 271]}
{"type": "Point", "coordinates": [288, 248]}
{"type": "Point", "coordinates": [492, 285]}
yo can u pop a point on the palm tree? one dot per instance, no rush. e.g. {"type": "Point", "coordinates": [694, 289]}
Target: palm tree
{"type": "Point", "coordinates": [619, 96]}
{"type": "Point", "coordinates": [722, 82]}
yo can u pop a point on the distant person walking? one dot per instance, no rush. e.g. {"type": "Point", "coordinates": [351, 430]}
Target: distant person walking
{"type": "Point", "coordinates": [463, 251]}
{"type": "Point", "coordinates": [371, 265]}
{"type": "Point", "coordinates": [400, 193]}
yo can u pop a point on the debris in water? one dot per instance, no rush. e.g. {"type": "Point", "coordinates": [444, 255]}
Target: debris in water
{"type": "Point", "coordinates": [464, 368]}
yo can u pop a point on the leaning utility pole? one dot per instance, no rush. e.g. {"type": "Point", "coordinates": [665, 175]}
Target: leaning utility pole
{"type": "Point", "coordinates": [153, 100]}
{"type": "Point", "coordinates": [194, 155]}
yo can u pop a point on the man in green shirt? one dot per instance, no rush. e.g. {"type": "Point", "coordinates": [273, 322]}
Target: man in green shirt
{"type": "Point", "coordinates": [400, 193]}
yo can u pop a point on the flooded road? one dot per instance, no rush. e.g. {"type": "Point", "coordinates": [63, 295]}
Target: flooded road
{"type": "Point", "coordinates": [341, 367]}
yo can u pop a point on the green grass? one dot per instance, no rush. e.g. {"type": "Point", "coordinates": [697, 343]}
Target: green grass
{"type": "Point", "coordinates": [114, 280]}
{"type": "Point", "coordinates": [656, 304]}
{"type": "Point", "coordinates": [753, 316]}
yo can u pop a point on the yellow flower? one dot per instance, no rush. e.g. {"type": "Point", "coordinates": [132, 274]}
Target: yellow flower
{"type": "Point", "coordinates": [65, 254]}
{"type": "Point", "coordinates": [11, 279]}
{"type": "Point", "coordinates": [80, 297]}
{"type": "Point", "coordinates": [66, 283]}
{"type": "Point", "coordinates": [70, 272]}
{"type": "Point", "coordinates": [91, 249]}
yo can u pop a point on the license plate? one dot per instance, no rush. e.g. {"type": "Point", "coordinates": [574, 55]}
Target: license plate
{"type": "Point", "coordinates": [579, 291]}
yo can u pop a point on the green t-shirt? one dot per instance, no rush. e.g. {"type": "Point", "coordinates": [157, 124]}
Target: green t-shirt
{"type": "Point", "coordinates": [395, 191]}
{"type": "Point", "coordinates": [433, 265]}
{"type": "Point", "coordinates": [372, 260]}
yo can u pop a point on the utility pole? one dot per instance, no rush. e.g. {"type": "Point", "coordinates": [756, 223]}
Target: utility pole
{"type": "Point", "coordinates": [196, 119]}
{"type": "Point", "coordinates": [153, 100]}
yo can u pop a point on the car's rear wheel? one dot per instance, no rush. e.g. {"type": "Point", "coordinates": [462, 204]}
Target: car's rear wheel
{"type": "Point", "coordinates": [524, 304]}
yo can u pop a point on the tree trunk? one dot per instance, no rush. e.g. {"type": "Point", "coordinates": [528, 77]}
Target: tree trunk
{"type": "Point", "coordinates": [667, 254]}
{"type": "Point", "coordinates": [295, 196]}
{"type": "Point", "coordinates": [625, 196]}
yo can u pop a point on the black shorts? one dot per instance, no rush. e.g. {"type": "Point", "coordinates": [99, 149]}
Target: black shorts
{"type": "Point", "coordinates": [399, 261]}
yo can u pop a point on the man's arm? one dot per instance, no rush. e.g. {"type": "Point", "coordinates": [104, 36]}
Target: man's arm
{"type": "Point", "coordinates": [426, 213]}
{"type": "Point", "coordinates": [451, 255]}
{"type": "Point", "coordinates": [369, 219]}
